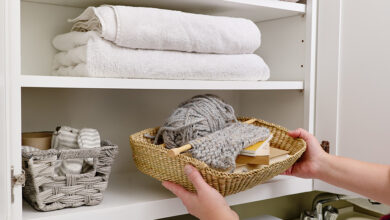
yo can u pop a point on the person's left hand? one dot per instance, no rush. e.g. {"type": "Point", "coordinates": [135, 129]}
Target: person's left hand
{"type": "Point", "coordinates": [207, 203]}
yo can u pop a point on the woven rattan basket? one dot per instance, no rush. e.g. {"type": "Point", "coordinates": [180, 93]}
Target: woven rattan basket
{"type": "Point", "coordinates": [46, 192]}
{"type": "Point", "coordinates": [153, 160]}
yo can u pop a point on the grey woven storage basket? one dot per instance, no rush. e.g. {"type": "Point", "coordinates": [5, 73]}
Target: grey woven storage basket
{"type": "Point", "coordinates": [46, 192]}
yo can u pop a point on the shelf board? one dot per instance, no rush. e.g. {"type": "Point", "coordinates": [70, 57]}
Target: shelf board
{"type": "Point", "coordinates": [115, 83]}
{"type": "Point", "coordinates": [138, 196]}
{"type": "Point", "coordinates": [256, 10]}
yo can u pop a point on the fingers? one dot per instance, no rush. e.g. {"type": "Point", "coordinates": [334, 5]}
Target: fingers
{"type": "Point", "coordinates": [179, 191]}
{"type": "Point", "coordinates": [288, 172]}
{"type": "Point", "coordinates": [300, 133]}
{"type": "Point", "coordinates": [195, 177]}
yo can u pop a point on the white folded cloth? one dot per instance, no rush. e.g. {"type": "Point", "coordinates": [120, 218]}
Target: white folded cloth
{"type": "Point", "coordinates": [88, 138]}
{"type": "Point", "coordinates": [87, 54]}
{"type": "Point", "coordinates": [159, 29]}
{"type": "Point", "coordinates": [65, 138]}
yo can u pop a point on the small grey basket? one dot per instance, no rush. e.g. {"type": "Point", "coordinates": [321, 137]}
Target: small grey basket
{"type": "Point", "coordinates": [46, 192]}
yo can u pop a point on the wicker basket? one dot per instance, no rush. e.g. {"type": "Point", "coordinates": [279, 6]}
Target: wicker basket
{"type": "Point", "coordinates": [153, 160]}
{"type": "Point", "coordinates": [46, 192]}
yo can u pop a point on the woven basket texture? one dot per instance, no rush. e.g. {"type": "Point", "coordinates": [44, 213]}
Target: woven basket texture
{"type": "Point", "coordinates": [153, 160]}
{"type": "Point", "coordinates": [47, 192]}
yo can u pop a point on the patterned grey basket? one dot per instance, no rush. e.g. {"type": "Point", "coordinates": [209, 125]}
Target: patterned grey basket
{"type": "Point", "coordinates": [46, 192]}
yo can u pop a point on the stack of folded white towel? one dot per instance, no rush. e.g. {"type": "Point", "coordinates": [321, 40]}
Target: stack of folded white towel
{"type": "Point", "coordinates": [149, 43]}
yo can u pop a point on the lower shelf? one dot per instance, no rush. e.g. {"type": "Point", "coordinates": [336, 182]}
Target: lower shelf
{"type": "Point", "coordinates": [137, 196]}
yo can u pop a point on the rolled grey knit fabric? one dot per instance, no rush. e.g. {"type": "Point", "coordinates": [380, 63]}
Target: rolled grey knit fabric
{"type": "Point", "coordinates": [194, 118]}
{"type": "Point", "coordinates": [220, 149]}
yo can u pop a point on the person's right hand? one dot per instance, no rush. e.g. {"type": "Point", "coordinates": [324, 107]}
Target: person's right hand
{"type": "Point", "coordinates": [207, 203]}
{"type": "Point", "coordinates": [310, 164]}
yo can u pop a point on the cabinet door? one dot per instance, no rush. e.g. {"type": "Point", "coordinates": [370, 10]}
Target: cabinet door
{"type": "Point", "coordinates": [10, 113]}
{"type": "Point", "coordinates": [353, 80]}
{"type": "Point", "coordinates": [4, 162]}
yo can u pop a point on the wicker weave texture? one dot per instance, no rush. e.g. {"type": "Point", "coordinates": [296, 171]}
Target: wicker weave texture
{"type": "Point", "coordinates": [46, 192]}
{"type": "Point", "coordinates": [153, 160]}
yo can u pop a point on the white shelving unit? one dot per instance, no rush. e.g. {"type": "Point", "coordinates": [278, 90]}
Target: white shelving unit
{"type": "Point", "coordinates": [136, 195]}
{"type": "Point", "coordinates": [119, 107]}
{"type": "Point", "coordinates": [111, 83]}
{"type": "Point", "coordinates": [257, 10]}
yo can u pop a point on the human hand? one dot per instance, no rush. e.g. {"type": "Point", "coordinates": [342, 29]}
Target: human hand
{"type": "Point", "coordinates": [310, 164]}
{"type": "Point", "coordinates": [207, 203]}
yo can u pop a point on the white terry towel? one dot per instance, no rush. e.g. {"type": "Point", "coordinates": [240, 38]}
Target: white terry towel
{"type": "Point", "coordinates": [86, 54]}
{"type": "Point", "coordinates": [160, 29]}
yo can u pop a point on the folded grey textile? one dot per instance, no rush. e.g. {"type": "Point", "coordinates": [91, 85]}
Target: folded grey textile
{"type": "Point", "coordinates": [220, 149]}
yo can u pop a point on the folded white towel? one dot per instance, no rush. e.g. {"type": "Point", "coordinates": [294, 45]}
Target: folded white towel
{"type": "Point", "coordinates": [159, 29]}
{"type": "Point", "coordinates": [94, 57]}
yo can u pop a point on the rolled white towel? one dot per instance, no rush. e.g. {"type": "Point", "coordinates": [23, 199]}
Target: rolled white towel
{"type": "Point", "coordinates": [65, 138]}
{"type": "Point", "coordinates": [93, 56]}
{"type": "Point", "coordinates": [159, 29]}
{"type": "Point", "coordinates": [88, 138]}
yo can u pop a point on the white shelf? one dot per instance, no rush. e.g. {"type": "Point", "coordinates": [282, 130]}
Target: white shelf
{"type": "Point", "coordinates": [256, 10]}
{"type": "Point", "coordinates": [137, 196]}
{"type": "Point", "coordinates": [112, 83]}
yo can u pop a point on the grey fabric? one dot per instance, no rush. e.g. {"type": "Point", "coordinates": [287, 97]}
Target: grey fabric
{"type": "Point", "coordinates": [220, 149]}
{"type": "Point", "coordinates": [194, 118]}
{"type": "Point", "coordinates": [210, 126]}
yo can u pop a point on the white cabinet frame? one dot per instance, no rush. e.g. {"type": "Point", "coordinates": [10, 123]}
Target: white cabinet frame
{"type": "Point", "coordinates": [10, 104]}
{"type": "Point", "coordinates": [12, 82]}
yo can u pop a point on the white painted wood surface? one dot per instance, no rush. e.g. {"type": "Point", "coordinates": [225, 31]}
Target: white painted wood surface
{"type": "Point", "coordinates": [112, 83]}
{"type": "Point", "coordinates": [310, 65]}
{"type": "Point", "coordinates": [4, 158]}
{"type": "Point", "coordinates": [352, 106]}
{"type": "Point", "coordinates": [256, 10]}
{"type": "Point", "coordinates": [104, 103]}
{"type": "Point", "coordinates": [142, 197]}
{"type": "Point", "coordinates": [364, 81]}
{"type": "Point", "coordinates": [12, 123]}
{"type": "Point", "coordinates": [328, 56]}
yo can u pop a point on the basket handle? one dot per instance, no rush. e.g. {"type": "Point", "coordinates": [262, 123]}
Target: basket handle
{"type": "Point", "coordinates": [79, 153]}
{"type": "Point", "coordinates": [176, 151]}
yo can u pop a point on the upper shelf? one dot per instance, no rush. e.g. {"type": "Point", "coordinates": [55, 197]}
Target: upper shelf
{"type": "Point", "coordinates": [112, 83]}
{"type": "Point", "coordinates": [256, 10]}
{"type": "Point", "coordinates": [138, 196]}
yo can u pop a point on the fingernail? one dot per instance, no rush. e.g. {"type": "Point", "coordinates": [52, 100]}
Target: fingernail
{"type": "Point", "coordinates": [188, 169]}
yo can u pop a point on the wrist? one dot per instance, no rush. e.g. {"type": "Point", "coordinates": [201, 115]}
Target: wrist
{"type": "Point", "coordinates": [234, 215]}
{"type": "Point", "coordinates": [223, 215]}
{"type": "Point", "coordinates": [324, 163]}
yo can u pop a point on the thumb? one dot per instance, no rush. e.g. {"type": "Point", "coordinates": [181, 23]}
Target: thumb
{"type": "Point", "coordinates": [195, 177]}
{"type": "Point", "coordinates": [300, 133]}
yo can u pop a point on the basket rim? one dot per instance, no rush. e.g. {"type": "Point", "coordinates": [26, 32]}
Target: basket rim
{"type": "Point", "coordinates": [41, 154]}
{"type": "Point", "coordinates": [203, 166]}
